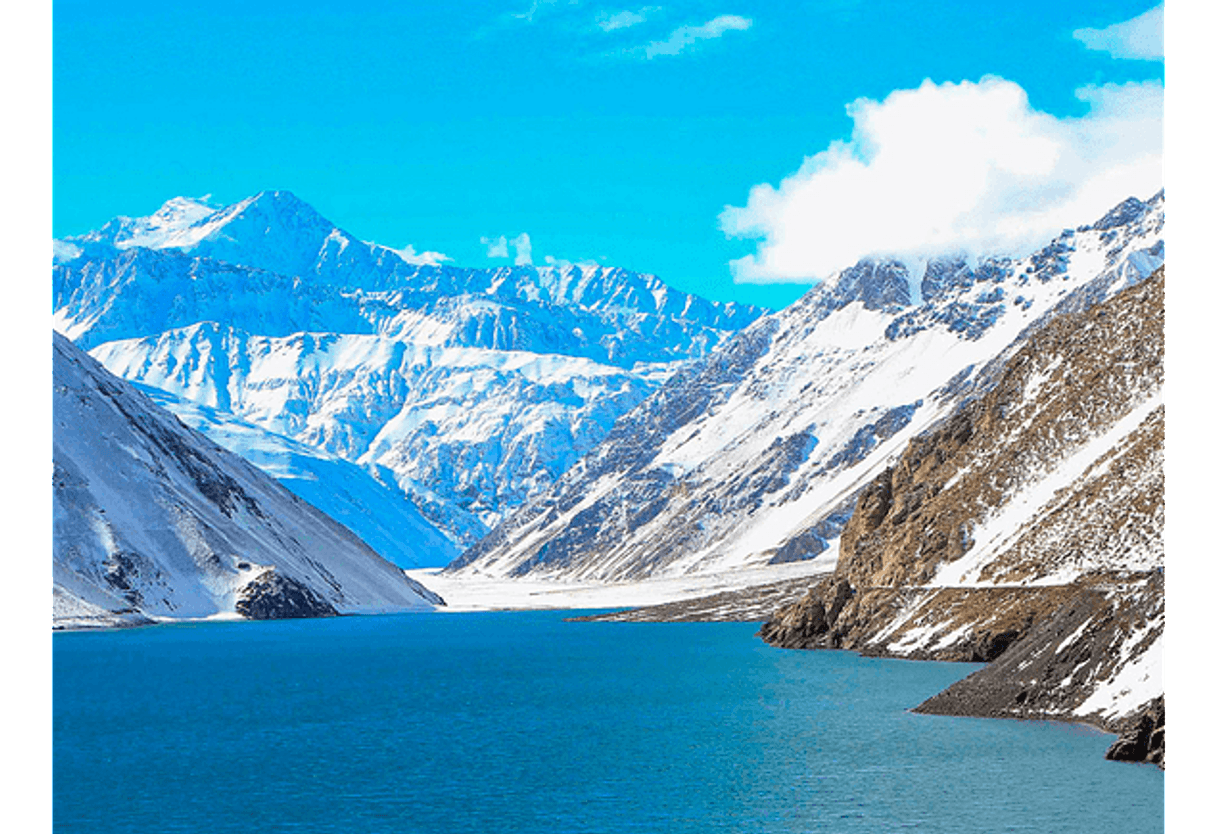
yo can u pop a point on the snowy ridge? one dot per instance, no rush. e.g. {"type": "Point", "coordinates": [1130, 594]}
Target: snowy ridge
{"type": "Point", "coordinates": [756, 453]}
{"type": "Point", "coordinates": [269, 248]}
{"type": "Point", "coordinates": [153, 521]}
{"type": "Point", "coordinates": [384, 518]}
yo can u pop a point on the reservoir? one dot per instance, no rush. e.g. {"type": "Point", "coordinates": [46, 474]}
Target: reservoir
{"type": "Point", "coordinates": [521, 722]}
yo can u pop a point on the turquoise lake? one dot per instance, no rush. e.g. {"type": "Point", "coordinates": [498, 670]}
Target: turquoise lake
{"type": "Point", "coordinates": [521, 722]}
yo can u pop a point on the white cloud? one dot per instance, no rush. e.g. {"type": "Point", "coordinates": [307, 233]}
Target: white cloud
{"type": "Point", "coordinates": [952, 168]}
{"type": "Point", "coordinates": [624, 19]}
{"type": "Point", "coordinates": [496, 247]}
{"type": "Point", "coordinates": [524, 249]}
{"type": "Point", "coordinates": [410, 256]}
{"type": "Point", "coordinates": [562, 263]}
{"type": "Point", "coordinates": [684, 37]}
{"type": "Point", "coordinates": [1140, 38]}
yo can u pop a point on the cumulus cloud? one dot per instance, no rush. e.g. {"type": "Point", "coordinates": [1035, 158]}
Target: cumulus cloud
{"type": "Point", "coordinates": [1140, 38]}
{"type": "Point", "coordinates": [952, 168]}
{"type": "Point", "coordinates": [684, 37]}
{"type": "Point", "coordinates": [524, 249]}
{"type": "Point", "coordinates": [496, 247]}
{"type": "Point", "coordinates": [625, 19]}
{"type": "Point", "coordinates": [410, 256]}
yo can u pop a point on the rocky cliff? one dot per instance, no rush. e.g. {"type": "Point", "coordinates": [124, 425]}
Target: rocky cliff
{"type": "Point", "coordinates": [1024, 530]}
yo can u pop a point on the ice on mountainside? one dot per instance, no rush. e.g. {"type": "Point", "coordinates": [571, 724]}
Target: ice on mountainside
{"type": "Point", "coordinates": [153, 521]}
{"type": "Point", "coordinates": [463, 391]}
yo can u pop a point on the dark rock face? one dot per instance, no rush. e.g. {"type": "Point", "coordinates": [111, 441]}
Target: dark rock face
{"type": "Point", "coordinates": [1124, 214]}
{"type": "Point", "coordinates": [809, 623]}
{"type": "Point", "coordinates": [880, 285]}
{"type": "Point", "coordinates": [272, 596]}
{"type": "Point", "coordinates": [873, 434]}
{"type": "Point", "coordinates": [814, 540]}
{"type": "Point", "coordinates": [1144, 740]}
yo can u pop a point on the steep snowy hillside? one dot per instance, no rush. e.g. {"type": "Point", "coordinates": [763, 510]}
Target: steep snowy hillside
{"type": "Point", "coordinates": [152, 520]}
{"type": "Point", "coordinates": [757, 453]}
{"type": "Point", "coordinates": [1026, 530]}
{"type": "Point", "coordinates": [384, 518]}
{"type": "Point", "coordinates": [467, 391]}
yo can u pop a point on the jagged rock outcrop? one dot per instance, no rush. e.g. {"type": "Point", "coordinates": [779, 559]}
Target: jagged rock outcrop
{"type": "Point", "coordinates": [271, 596]}
{"type": "Point", "coordinates": [1145, 738]}
{"type": "Point", "coordinates": [1024, 531]}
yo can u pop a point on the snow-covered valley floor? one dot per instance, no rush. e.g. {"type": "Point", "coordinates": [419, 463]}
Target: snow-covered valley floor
{"type": "Point", "coordinates": [476, 593]}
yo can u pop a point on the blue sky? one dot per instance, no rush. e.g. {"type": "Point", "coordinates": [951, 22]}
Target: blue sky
{"type": "Point", "coordinates": [621, 132]}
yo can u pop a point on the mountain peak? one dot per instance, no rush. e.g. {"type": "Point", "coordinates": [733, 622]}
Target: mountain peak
{"type": "Point", "coordinates": [183, 211]}
{"type": "Point", "coordinates": [1127, 212]}
{"type": "Point", "coordinates": [281, 200]}
{"type": "Point", "coordinates": [278, 207]}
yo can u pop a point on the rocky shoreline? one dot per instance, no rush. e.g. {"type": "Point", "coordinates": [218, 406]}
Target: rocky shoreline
{"type": "Point", "coordinates": [1024, 532]}
{"type": "Point", "coordinates": [1026, 662]}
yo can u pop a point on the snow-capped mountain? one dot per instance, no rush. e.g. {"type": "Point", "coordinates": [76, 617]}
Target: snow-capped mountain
{"type": "Point", "coordinates": [152, 520]}
{"type": "Point", "coordinates": [756, 454]}
{"type": "Point", "coordinates": [299, 272]}
{"type": "Point", "coordinates": [468, 390]}
{"type": "Point", "coordinates": [466, 432]}
{"type": "Point", "coordinates": [1027, 530]}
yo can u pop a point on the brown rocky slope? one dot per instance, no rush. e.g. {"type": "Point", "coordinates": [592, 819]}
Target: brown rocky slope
{"type": "Point", "coordinates": [1026, 530]}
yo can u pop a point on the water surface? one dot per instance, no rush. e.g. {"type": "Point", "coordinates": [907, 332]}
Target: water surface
{"type": "Point", "coordinates": [520, 722]}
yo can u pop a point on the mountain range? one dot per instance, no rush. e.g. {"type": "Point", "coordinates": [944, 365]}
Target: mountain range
{"type": "Point", "coordinates": [462, 391]}
{"type": "Point", "coordinates": [1027, 530]}
{"type": "Point", "coordinates": [968, 450]}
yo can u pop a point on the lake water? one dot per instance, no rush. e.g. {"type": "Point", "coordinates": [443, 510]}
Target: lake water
{"type": "Point", "coordinates": [520, 722]}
